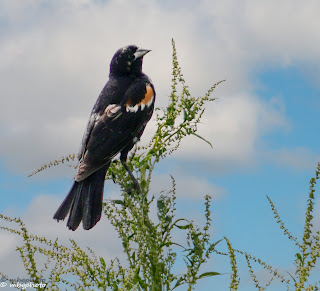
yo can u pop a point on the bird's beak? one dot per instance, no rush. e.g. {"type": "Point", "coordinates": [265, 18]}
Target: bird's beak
{"type": "Point", "coordinates": [140, 53]}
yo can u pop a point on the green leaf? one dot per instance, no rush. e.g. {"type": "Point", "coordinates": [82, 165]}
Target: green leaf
{"type": "Point", "coordinates": [143, 184]}
{"type": "Point", "coordinates": [160, 204]}
{"type": "Point", "coordinates": [197, 135]}
{"type": "Point", "coordinates": [168, 219]}
{"type": "Point", "coordinates": [118, 202]}
{"type": "Point", "coordinates": [292, 277]}
{"type": "Point", "coordinates": [215, 243]}
{"type": "Point", "coordinates": [179, 282]}
{"type": "Point", "coordinates": [170, 122]}
{"type": "Point", "coordinates": [131, 236]}
{"type": "Point", "coordinates": [103, 263]}
{"type": "Point", "coordinates": [208, 274]}
{"type": "Point", "coordinates": [299, 257]}
{"type": "Point", "coordinates": [141, 283]}
{"type": "Point", "coordinates": [183, 226]}
{"type": "Point", "coordinates": [173, 243]}
{"type": "Point", "coordinates": [133, 256]}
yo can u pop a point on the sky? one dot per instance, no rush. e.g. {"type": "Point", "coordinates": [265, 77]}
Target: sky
{"type": "Point", "coordinates": [54, 61]}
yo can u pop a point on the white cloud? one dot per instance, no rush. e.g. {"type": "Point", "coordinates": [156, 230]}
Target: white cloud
{"type": "Point", "coordinates": [296, 158]}
{"type": "Point", "coordinates": [233, 125]}
{"type": "Point", "coordinates": [103, 239]}
{"type": "Point", "coordinates": [187, 186]}
{"type": "Point", "coordinates": [267, 32]}
{"type": "Point", "coordinates": [8, 244]}
{"type": "Point", "coordinates": [54, 62]}
{"type": "Point", "coordinates": [38, 220]}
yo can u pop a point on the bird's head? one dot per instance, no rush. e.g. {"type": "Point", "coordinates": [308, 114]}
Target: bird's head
{"type": "Point", "coordinates": [127, 61]}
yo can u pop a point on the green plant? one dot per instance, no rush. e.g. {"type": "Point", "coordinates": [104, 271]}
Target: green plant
{"type": "Point", "coordinates": [308, 250]}
{"type": "Point", "coordinates": [149, 245]}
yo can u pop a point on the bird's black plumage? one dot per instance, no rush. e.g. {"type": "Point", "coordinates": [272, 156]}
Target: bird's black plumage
{"type": "Point", "coordinates": [117, 121]}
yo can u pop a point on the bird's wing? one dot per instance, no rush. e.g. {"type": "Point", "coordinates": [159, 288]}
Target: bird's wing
{"type": "Point", "coordinates": [91, 123]}
{"type": "Point", "coordinates": [113, 129]}
{"type": "Point", "coordinates": [139, 96]}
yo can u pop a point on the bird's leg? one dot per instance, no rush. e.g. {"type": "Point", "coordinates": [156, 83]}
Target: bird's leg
{"type": "Point", "coordinates": [133, 152]}
{"type": "Point", "coordinates": [134, 180]}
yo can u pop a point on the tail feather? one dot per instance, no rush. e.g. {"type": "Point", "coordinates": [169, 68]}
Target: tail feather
{"type": "Point", "coordinates": [84, 201]}
{"type": "Point", "coordinates": [75, 215]}
{"type": "Point", "coordinates": [65, 206]}
{"type": "Point", "coordinates": [92, 204]}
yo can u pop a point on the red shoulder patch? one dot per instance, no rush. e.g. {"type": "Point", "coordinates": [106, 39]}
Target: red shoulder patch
{"type": "Point", "coordinates": [148, 97]}
{"type": "Point", "coordinates": [145, 102]}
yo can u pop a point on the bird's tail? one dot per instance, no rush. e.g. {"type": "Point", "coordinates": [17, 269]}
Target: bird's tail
{"type": "Point", "coordinates": [84, 201]}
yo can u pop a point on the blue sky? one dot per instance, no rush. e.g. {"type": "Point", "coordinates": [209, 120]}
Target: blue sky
{"type": "Point", "coordinates": [264, 125]}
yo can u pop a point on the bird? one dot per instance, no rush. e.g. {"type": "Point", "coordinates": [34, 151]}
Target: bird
{"type": "Point", "coordinates": [117, 121]}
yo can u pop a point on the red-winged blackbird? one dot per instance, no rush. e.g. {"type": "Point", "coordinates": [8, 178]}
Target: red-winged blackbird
{"type": "Point", "coordinates": [117, 122]}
